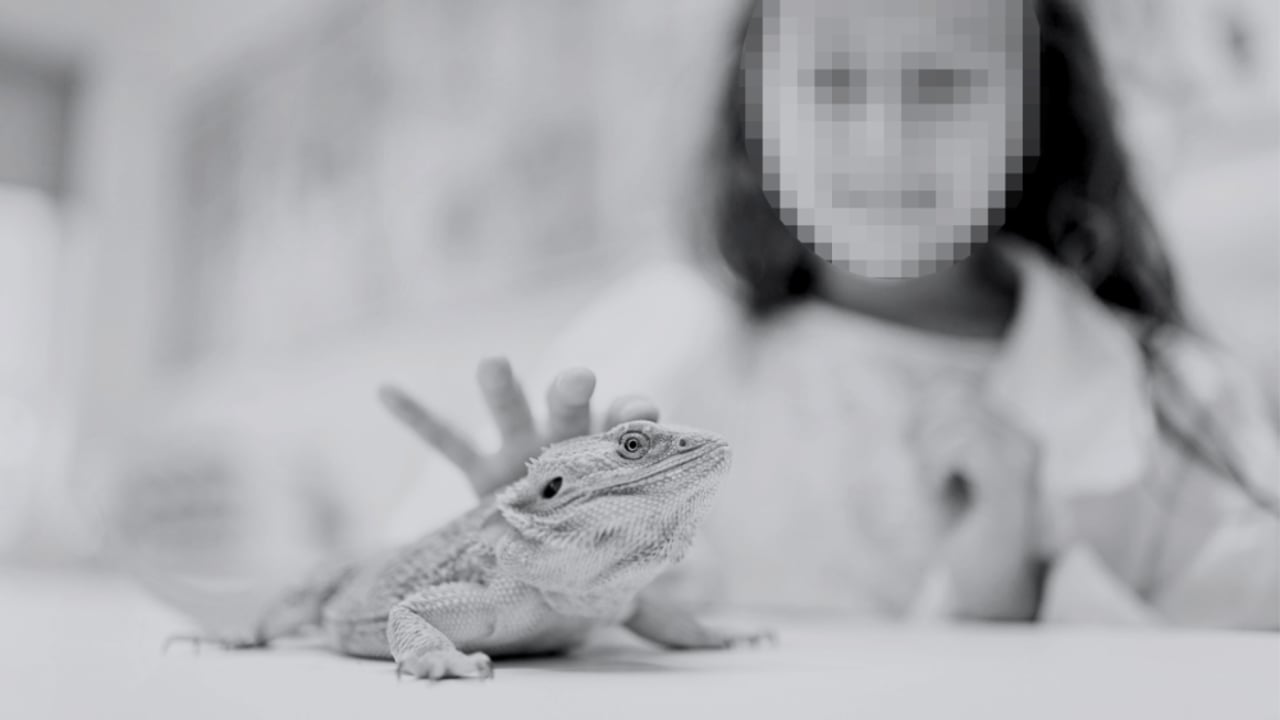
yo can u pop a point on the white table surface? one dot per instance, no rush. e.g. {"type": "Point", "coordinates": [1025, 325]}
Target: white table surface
{"type": "Point", "coordinates": [80, 646]}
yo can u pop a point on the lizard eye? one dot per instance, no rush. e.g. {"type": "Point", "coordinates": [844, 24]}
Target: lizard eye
{"type": "Point", "coordinates": [633, 445]}
{"type": "Point", "coordinates": [552, 487]}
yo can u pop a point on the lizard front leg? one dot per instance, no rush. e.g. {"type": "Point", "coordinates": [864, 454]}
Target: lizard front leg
{"type": "Point", "coordinates": [676, 628]}
{"type": "Point", "coordinates": [425, 630]}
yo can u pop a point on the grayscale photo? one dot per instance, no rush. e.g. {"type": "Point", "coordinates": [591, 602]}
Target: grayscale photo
{"type": "Point", "coordinates": [640, 359]}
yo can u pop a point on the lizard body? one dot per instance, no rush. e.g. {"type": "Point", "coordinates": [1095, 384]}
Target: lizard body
{"type": "Point", "coordinates": [533, 569]}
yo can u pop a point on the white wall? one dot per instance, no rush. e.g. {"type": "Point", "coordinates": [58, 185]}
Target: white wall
{"type": "Point", "coordinates": [136, 57]}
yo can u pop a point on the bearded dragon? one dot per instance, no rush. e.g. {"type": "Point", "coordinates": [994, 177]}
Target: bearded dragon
{"type": "Point", "coordinates": [532, 569]}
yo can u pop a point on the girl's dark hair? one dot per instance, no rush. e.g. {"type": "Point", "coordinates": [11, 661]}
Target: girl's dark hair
{"type": "Point", "coordinates": [1078, 199]}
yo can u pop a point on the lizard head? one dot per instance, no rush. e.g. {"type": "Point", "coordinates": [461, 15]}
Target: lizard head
{"type": "Point", "coordinates": [601, 516]}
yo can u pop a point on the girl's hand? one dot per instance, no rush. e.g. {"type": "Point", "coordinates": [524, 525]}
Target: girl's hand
{"type": "Point", "coordinates": [982, 471]}
{"type": "Point", "coordinates": [569, 414]}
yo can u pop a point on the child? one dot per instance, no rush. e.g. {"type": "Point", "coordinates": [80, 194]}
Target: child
{"type": "Point", "coordinates": [1032, 432]}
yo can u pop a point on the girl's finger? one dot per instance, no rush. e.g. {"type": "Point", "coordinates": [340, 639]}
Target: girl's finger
{"type": "Point", "coordinates": [628, 408]}
{"type": "Point", "coordinates": [436, 432]}
{"type": "Point", "coordinates": [569, 403]}
{"type": "Point", "coordinates": [506, 400]}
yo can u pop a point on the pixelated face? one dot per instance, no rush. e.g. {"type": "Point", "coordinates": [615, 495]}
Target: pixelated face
{"type": "Point", "coordinates": [622, 504]}
{"type": "Point", "coordinates": [889, 132]}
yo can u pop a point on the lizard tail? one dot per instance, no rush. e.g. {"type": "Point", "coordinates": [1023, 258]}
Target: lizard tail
{"type": "Point", "coordinates": [302, 607]}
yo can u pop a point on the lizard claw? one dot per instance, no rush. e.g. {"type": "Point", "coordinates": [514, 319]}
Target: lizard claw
{"type": "Point", "coordinates": [762, 637]}
{"type": "Point", "coordinates": [199, 641]}
{"type": "Point", "coordinates": [172, 639]}
{"type": "Point", "coordinates": [441, 664]}
{"type": "Point", "coordinates": [750, 639]}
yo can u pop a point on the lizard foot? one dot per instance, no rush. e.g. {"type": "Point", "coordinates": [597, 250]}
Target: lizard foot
{"type": "Point", "coordinates": [199, 641]}
{"type": "Point", "coordinates": [725, 640]}
{"type": "Point", "coordinates": [440, 664]}
{"type": "Point", "coordinates": [752, 639]}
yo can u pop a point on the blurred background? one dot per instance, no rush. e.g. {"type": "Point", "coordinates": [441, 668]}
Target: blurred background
{"type": "Point", "coordinates": [223, 223]}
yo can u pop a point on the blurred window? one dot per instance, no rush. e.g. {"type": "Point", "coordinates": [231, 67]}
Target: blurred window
{"type": "Point", "coordinates": [29, 245]}
{"type": "Point", "coordinates": [36, 98]}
